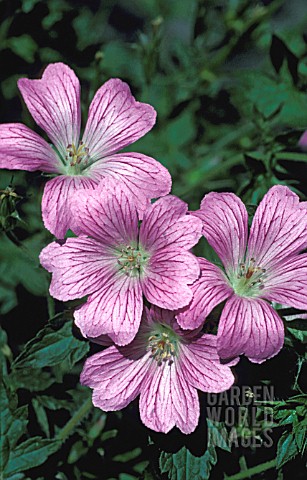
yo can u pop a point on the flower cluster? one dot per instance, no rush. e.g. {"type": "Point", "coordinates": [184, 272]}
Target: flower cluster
{"type": "Point", "coordinates": [115, 262]}
{"type": "Point", "coordinates": [146, 295]}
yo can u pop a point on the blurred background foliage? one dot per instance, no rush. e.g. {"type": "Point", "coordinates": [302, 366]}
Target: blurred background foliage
{"type": "Point", "coordinates": [228, 80]}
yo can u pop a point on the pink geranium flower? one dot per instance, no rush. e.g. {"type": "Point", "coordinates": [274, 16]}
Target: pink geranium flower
{"type": "Point", "coordinates": [165, 366]}
{"type": "Point", "coordinates": [115, 261]}
{"type": "Point", "coordinates": [303, 141]}
{"type": "Point", "coordinates": [115, 120]}
{"type": "Point", "coordinates": [267, 267]}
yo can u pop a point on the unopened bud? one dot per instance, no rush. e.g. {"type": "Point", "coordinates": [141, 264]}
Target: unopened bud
{"type": "Point", "coordinates": [8, 212]}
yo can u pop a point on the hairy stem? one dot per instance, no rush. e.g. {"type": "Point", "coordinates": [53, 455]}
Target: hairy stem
{"type": "Point", "coordinates": [300, 363]}
{"type": "Point", "coordinates": [75, 420]}
{"type": "Point", "coordinates": [50, 305]}
{"type": "Point", "coordinates": [253, 470]}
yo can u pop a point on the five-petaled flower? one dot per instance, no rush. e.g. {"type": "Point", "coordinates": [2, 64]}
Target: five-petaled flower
{"type": "Point", "coordinates": [115, 121]}
{"type": "Point", "coordinates": [267, 267]}
{"type": "Point", "coordinates": [115, 261]}
{"type": "Point", "coordinates": [165, 365]}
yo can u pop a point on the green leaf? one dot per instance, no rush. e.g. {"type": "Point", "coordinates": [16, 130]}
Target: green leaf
{"type": "Point", "coordinates": [5, 351]}
{"type": "Point", "coordinates": [300, 434]}
{"type": "Point", "coordinates": [77, 451]}
{"type": "Point", "coordinates": [13, 420]}
{"type": "Point", "coordinates": [4, 451]}
{"type": "Point", "coordinates": [54, 403]}
{"type": "Point", "coordinates": [24, 46]}
{"type": "Point", "coordinates": [9, 87]}
{"type": "Point", "coordinates": [31, 453]}
{"type": "Point", "coordinates": [300, 428]}
{"type": "Point", "coordinates": [181, 130]}
{"type": "Point", "coordinates": [286, 449]}
{"type": "Point", "coordinates": [97, 428]}
{"type": "Point", "coordinates": [57, 9]}
{"type": "Point", "coordinates": [218, 435]}
{"type": "Point", "coordinates": [87, 26]}
{"type": "Point", "coordinates": [127, 62]}
{"type": "Point", "coordinates": [125, 457]}
{"type": "Point", "coordinates": [41, 416]}
{"type": "Point", "coordinates": [34, 380]}
{"type": "Point", "coordinates": [48, 55]}
{"type": "Point", "coordinates": [182, 465]}
{"type": "Point", "coordinates": [298, 329]}
{"type": "Point", "coordinates": [51, 347]}
{"type": "Point", "coordinates": [148, 475]}
{"type": "Point", "coordinates": [20, 265]}
{"type": "Point", "coordinates": [108, 434]}
{"type": "Point", "coordinates": [140, 467]}
{"type": "Point", "coordinates": [8, 298]}
{"type": "Point", "coordinates": [126, 476]}
{"type": "Point", "coordinates": [268, 94]}
{"type": "Point", "coordinates": [61, 476]}
{"type": "Point", "coordinates": [28, 5]}
{"type": "Point", "coordinates": [18, 426]}
{"type": "Point", "coordinates": [285, 416]}
{"type": "Point", "coordinates": [16, 476]}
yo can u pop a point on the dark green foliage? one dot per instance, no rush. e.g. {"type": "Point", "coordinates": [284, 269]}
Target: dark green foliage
{"type": "Point", "coordinates": [183, 465]}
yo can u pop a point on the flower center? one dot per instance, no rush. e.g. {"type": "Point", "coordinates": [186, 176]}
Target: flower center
{"type": "Point", "coordinates": [132, 260]}
{"type": "Point", "coordinates": [163, 344]}
{"type": "Point", "coordinates": [77, 156]}
{"type": "Point", "coordinates": [248, 280]}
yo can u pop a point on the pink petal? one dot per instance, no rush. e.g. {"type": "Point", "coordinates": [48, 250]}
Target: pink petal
{"type": "Point", "coordinates": [54, 103]}
{"type": "Point", "coordinates": [108, 214]}
{"type": "Point", "coordinates": [115, 120]}
{"type": "Point", "coordinates": [303, 140]}
{"type": "Point", "coordinates": [279, 227]}
{"type": "Point", "coordinates": [208, 291]}
{"type": "Point", "coordinates": [80, 266]}
{"type": "Point", "coordinates": [22, 149]}
{"type": "Point", "coordinates": [167, 278]}
{"type": "Point", "coordinates": [165, 224]}
{"type": "Point", "coordinates": [249, 326]}
{"type": "Point", "coordinates": [143, 176]}
{"type": "Point", "coordinates": [57, 202]}
{"type": "Point", "coordinates": [167, 400]}
{"type": "Point", "coordinates": [116, 376]}
{"type": "Point", "coordinates": [103, 340]}
{"type": "Point", "coordinates": [159, 315]}
{"type": "Point", "coordinates": [201, 365]}
{"type": "Point", "coordinates": [287, 283]}
{"type": "Point", "coordinates": [114, 310]}
{"type": "Point", "coordinates": [225, 223]}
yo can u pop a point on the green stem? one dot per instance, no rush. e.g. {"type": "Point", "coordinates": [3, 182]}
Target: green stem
{"type": "Point", "coordinates": [210, 175]}
{"type": "Point", "coordinates": [75, 420]}
{"type": "Point", "coordinates": [243, 464]}
{"type": "Point", "coordinates": [300, 363]}
{"type": "Point", "coordinates": [50, 305]}
{"type": "Point", "coordinates": [253, 470]}
{"type": "Point", "coordinates": [226, 140]}
{"type": "Point", "coordinates": [296, 157]}
{"type": "Point", "coordinates": [15, 240]}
